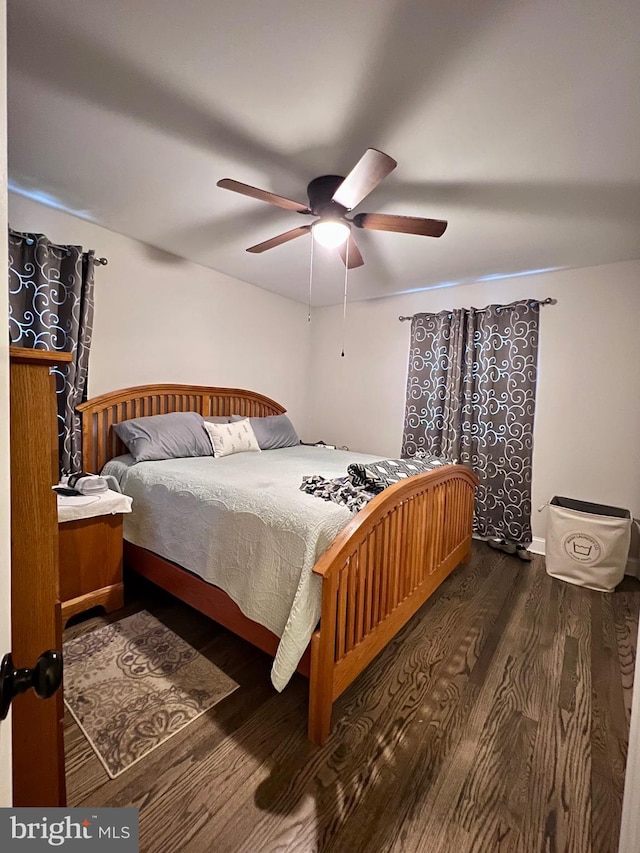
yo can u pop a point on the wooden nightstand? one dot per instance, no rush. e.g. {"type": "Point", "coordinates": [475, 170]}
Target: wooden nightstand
{"type": "Point", "coordinates": [90, 563]}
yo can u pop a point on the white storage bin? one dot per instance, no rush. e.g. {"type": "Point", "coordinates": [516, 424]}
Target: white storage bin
{"type": "Point", "coordinates": [587, 544]}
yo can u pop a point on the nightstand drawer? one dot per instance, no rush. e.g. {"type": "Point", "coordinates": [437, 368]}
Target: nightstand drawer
{"type": "Point", "coordinates": [90, 564]}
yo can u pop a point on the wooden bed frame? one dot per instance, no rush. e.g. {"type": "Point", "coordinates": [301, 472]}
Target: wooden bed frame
{"type": "Point", "coordinates": [377, 573]}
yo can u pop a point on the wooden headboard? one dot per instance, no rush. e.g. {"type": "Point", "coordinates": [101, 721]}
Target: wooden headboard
{"type": "Point", "coordinates": [99, 441]}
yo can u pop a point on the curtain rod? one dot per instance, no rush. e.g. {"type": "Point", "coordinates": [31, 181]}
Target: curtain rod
{"type": "Point", "coordinates": [547, 301]}
{"type": "Point", "coordinates": [101, 262]}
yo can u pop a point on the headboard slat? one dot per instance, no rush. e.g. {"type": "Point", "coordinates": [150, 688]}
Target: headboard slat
{"type": "Point", "coordinates": [99, 441]}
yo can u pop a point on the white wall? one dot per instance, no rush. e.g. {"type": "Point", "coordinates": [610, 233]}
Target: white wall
{"type": "Point", "coordinates": [159, 318]}
{"type": "Point", "coordinates": [5, 491]}
{"type": "Point", "coordinates": [587, 429]}
{"type": "Point", "coordinates": [162, 319]}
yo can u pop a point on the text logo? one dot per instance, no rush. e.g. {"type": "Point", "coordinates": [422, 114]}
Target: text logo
{"type": "Point", "coordinates": [69, 829]}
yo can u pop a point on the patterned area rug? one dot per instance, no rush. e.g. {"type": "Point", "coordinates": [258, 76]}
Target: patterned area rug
{"type": "Point", "coordinates": [133, 684]}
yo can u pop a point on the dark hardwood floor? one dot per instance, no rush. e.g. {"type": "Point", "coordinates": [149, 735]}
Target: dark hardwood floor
{"type": "Point", "coordinates": [497, 720]}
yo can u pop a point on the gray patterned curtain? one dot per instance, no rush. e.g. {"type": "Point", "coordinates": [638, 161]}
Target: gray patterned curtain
{"type": "Point", "coordinates": [471, 395]}
{"type": "Point", "coordinates": [51, 307]}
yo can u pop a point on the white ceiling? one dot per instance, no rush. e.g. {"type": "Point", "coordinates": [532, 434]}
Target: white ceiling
{"type": "Point", "coordinates": [519, 122]}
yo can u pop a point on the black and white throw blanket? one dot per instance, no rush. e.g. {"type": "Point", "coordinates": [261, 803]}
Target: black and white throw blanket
{"type": "Point", "coordinates": [364, 481]}
{"type": "Point", "coordinates": [340, 490]}
{"type": "Point", "coordinates": [376, 476]}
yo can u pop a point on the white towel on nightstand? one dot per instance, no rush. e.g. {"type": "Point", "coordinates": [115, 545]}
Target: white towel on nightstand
{"type": "Point", "coordinates": [74, 508]}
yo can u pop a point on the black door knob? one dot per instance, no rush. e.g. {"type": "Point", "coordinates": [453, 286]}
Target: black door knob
{"type": "Point", "coordinates": [45, 678]}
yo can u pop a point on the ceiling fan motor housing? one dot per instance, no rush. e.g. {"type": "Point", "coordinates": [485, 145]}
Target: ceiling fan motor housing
{"type": "Point", "coordinates": [320, 192]}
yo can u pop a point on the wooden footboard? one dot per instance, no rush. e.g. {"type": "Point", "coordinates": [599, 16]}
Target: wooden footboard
{"type": "Point", "coordinates": [378, 573]}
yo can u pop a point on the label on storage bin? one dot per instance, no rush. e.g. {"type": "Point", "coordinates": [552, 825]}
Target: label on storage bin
{"type": "Point", "coordinates": [582, 547]}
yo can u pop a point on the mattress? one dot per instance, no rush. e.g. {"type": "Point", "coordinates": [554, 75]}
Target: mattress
{"type": "Point", "coordinates": [241, 522]}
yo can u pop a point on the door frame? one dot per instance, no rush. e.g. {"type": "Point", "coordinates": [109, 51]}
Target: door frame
{"type": "Point", "coordinates": [630, 826]}
{"type": "Point", "coordinates": [5, 487]}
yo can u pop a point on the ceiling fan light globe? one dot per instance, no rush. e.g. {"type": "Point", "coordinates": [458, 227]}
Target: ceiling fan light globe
{"type": "Point", "coordinates": [330, 233]}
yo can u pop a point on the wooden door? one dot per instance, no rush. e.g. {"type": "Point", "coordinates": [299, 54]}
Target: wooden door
{"type": "Point", "coordinates": [5, 555]}
{"type": "Point", "coordinates": [38, 748]}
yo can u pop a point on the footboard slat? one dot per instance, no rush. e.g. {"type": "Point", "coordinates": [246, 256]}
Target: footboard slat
{"type": "Point", "coordinates": [405, 546]}
{"type": "Point", "coordinates": [384, 570]}
{"type": "Point", "coordinates": [414, 541]}
{"type": "Point", "coordinates": [388, 537]}
{"type": "Point", "coordinates": [407, 543]}
{"type": "Point", "coordinates": [362, 580]}
{"type": "Point", "coordinates": [351, 605]}
{"type": "Point", "coordinates": [395, 562]}
{"type": "Point", "coordinates": [342, 613]}
{"type": "Point", "coordinates": [369, 614]}
{"type": "Point", "coordinates": [377, 578]}
{"type": "Point", "coordinates": [384, 566]}
{"type": "Point", "coordinates": [424, 542]}
{"type": "Point", "coordinates": [441, 508]}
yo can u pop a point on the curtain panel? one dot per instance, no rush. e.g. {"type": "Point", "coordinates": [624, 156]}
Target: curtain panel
{"type": "Point", "coordinates": [51, 307]}
{"type": "Point", "coordinates": [471, 392]}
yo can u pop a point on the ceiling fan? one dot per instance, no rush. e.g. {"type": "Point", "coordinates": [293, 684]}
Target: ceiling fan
{"type": "Point", "coordinates": [331, 197]}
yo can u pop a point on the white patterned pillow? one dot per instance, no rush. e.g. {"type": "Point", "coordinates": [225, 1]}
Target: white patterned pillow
{"type": "Point", "coordinates": [226, 439]}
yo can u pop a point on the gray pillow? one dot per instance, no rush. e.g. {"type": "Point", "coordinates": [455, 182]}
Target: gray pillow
{"type": "Point", "coordinates": [172, 436]}
{"type": "Point", "coordinates": [218, 419]}
{"type": "Point", "coordinates": [272, 432]}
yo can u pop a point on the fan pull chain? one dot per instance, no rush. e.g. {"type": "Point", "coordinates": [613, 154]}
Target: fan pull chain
{"type": "Point", "coordinates": [344, 303]}
{"type": "Point", "coordinates": [310, 281]}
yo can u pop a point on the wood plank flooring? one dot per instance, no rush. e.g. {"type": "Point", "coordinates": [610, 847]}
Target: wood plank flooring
{"type": "Point", "coordinates": [496, 721]}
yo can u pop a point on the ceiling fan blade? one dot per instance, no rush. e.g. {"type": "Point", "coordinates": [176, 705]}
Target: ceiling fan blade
{"type": "Point", "coordinates": [280, 239]}
{"type": "Point", "coordinates": [365, 176]}
{"type": "Point", "coordinates": [262, 195]}
{"type": "Point", "coordinates": [400, 224]}
{"type": "Point", "coordinates": [355, 258]}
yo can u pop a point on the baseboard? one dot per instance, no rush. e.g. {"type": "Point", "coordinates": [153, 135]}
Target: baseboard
{"type": "Point", "coordinates": [633, 567]}
{"type": "Point", "coordinates": [537, 546]}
